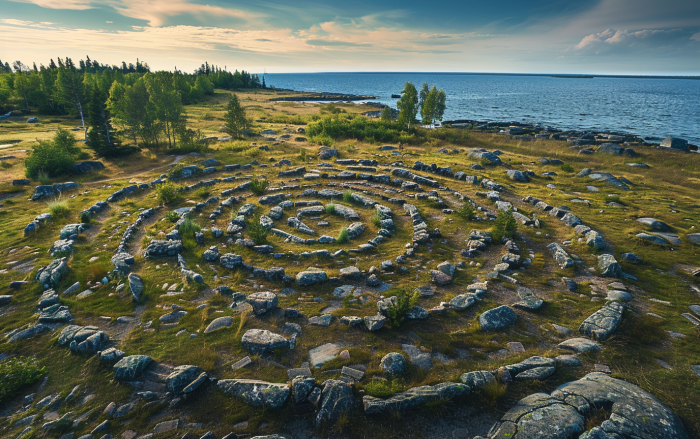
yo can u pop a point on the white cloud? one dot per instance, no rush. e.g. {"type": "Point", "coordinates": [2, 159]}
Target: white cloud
{"type": "Point", "coordinates": [627, 41]}
{"type": "Point", "coordinates": [156, 12]}
{"type": "Point", "coordinates": [60, 4]}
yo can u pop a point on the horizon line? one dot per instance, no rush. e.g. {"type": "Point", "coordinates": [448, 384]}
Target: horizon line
{"type": "Point", "coordinates": [564, 75]}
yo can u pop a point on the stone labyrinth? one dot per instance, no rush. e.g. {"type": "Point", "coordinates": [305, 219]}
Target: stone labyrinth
{"type": "Point", "coordinates": [324, 222]}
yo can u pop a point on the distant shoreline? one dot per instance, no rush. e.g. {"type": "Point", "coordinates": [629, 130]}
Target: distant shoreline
{"type": "Point", "coordinates": [550, 75]}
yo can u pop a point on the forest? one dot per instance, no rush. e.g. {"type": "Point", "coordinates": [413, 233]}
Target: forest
{"type": "Point", "coordinates": [116, 105]}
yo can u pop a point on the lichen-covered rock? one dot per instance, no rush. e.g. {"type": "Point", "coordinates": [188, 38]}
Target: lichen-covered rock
{"type": "Point", "coordinates": [262, 302]}
{"type": "Point", "coordinates": [158, 248]}
{"type": "Point", "coordinates": [136, 286]}
{"type": "Point", "coordinates": [256, 393]}
{"type": "Point", "coordinates": [463, 301]}
{"type": "Point", "coordinates": [185, 379]}
{"type": "Point", "coordinates": [259, 341]}
{"type": "Point", "coordinates": [608, 266]}
{"type": "Point", "coordinates": [601, 324]}
{"type": "Point", "coordinates": [595, 240]}
{"type": "Point", "coordinates": [311, 276]}
{"type": "Point", "coordinates": [83, 339]}
{"type": "Point", "coordinates": [121, 262]}
{"type": "Point", "coordinates": [560, 255]}
{"type": "Point", "coordinates": [128, 368]}
{"type": "Point", "coordinates": [375, 323]}
{"type": "Point", "coordinates": [49, 276]}
{"type": "Point", "coordinates": [528, 300]}
{"type": "Point", "coordinates": [497, 318]}
{"type": "Point", "coordinates": [211, 254]}
{"type": "Point", "coordinates": [302, 386]}
{"type": "Point", "coordinates": [55, 314]}
{"type": "Point", "coordinates": [355, 229]}
{"type": "Point", "coordinates": [478, 379]}
{"type": "Point", "coordinates": [231, 261]}
{"type": "Point", "coordinates": [579, 345]}
{"type": "Point", "coordinates": [337, 399]}
{"type": "Point", "coordinates": [414, 398]}
{"type": "Point", "coordinates": [393, 364]}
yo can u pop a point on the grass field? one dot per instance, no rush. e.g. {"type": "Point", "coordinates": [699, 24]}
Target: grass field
{"type": "Point", "coordinates": [667, 190]}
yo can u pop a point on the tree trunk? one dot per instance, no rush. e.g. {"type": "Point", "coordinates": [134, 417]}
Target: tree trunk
{"type": "Point", "coordinates": [82, 120]}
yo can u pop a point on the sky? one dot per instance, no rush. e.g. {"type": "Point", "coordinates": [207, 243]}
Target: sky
{"type": "Point", "coordinates": [638, 37]}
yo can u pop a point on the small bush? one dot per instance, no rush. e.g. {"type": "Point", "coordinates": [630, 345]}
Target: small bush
{"type": "Point", "coordinates": [347, 196]}
{"type": "Point", "coordinates": [203, 192]}
{"type": "Point", "coordinates": [567, 167]}
{"type": "Point", "coordinates": [467, 212]}
{"type": "Point", "coordinates": [85, 218]}
{"type": "Point", "coordinates": [377, 220]}
{"type": "Point", "coordinates": [5, 164]}
{"type": "Point", "coordinates": [176, 171]}
{"type": "Point", "coordinates": [58, 208]}
{"type": "Point", "coordinates": [505, 226]}
{"type": "Point", "coordinates": [54, 158]}
{"type": "Point", "coordinates": [404, 302]}
{"type": "Point", "coordinates": [173, 217]}
{"type": "Point", "coordinates": [257, 232]}
{"type": "Point", "coordinates": [258, 186]}
{"type": "Point", "coordinates": [330, 209]}
{"type": "Point", "coordinates": [166, 193]}
{"type": "Point", "coordinates": [302, 154]}
{"type": "Point", "coordinates": [16, 373]}
{"type": "Point", "coordinates": [343, 236]}
{"type": "Point", "coordinates": [188, 228]}
{"type": "Point", "coordinates": [383, 388]}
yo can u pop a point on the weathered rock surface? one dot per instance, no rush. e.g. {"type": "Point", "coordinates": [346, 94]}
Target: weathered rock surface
{"type": "Point", "coordinates": [601, 324]}
{"type": "Point", "coordinates": [256, 393]}
{"type": "Point", "coordinates": [497, 318]}
{"type": "Point", "coordinates": [414, 398]}
{"type": "Point", "coordinates": [260, 341]}
{"type": "Point", "coordinates": [129, 368]}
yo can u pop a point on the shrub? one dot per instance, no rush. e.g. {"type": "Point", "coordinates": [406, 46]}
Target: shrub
{"type": "Point", "coordinates": [5, 164]}
{"type": "Point", "coordinates": [350, 127]}
{"type": "Point", "coordinates": [404, 302]}
{"type": "Point", "coordinates": [567, 167]}
{"type": "Point", "coordinates": [58, 208]}
{"type": "Point", "coordinates": [173, 217]}
{"type": "Point", "coordinates": [16, 373]}
{"type": "Point", "coordinates": [188, 228]}
{"type": "Point", "coordinates": [302, 154]}
{"type": "Point", "coordinates": [347, 196]}
{"type": "Point", "coordinates": [383, 388]}
{"type": "Point", "coordinates": [257, 232]}
{"type": "Point", "coordinates": [467, 212]}
{"type": "Point", "coordinates": [343, 236]}
{"type": "Point", "coordinates": [54, 158]}
{"type": "Point", "coordinates": [330, 209]}
{"type": "Point", "coordinates": [505, 226]}
{"type": "Point", "coordinates": [85, 218]}
{"type": "Point", "coordinates": [166, 193]}
{"type": "Point", "coordinates": [377, 220]}
{"type": "Point", "coordinates": [258, 186]}
{"type": "Point", "coordinates": [203, 192]}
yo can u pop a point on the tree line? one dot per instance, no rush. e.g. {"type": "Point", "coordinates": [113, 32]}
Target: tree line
{"type": "Point", "coordinates": [430, 103]}
{"type": "Point", "coordinates": [117, 103]}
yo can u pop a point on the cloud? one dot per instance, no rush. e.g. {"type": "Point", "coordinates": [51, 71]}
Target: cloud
{"type": "Point", "coordinates": [628, 41]}
{"type": "Point", "coordinates": [78, 5]}
{"type": "Point", "coordinates": [335, 43]}
{"type": "Point", "coordinates": [156, 12]}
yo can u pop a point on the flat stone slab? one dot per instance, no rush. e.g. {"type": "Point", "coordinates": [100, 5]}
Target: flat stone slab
{"type": "Point", "coordinates": [601, 324]}
{"type": "Point", "coordinates": [417, 357]}
{"type": "Point", "coordinates": [221, 322]}
{"type": "Point", "coordinates": [322, 354]}
{"type": "Point", "coordinates": [497, 318]}
{"type": "Point", "coordinates": [166, 426]}
{"type": "Point", "coordinates": [243, 362]}
{"type": "Point", "coordinates": [580, 345]}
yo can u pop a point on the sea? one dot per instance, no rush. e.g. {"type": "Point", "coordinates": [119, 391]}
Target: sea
{"type": "Point", "coordinates": [650, 107]}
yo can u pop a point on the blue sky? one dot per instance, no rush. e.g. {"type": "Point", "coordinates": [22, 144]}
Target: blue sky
{"type": "Point", "coordinates": [541, 36]}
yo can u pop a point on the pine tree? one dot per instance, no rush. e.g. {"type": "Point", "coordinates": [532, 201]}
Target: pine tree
{"type": "Point", "coordinates": [408, 105]}
{"type": "Point", "coordinates": [504, 226]}
{"type": "Point", "coordinates": [235, 117]}
{"type": "Point", "coordinates": [386, 114]}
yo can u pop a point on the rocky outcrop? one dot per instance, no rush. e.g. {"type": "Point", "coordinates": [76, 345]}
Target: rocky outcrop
{"type": "Point", "coordinates": [497, 318]}
{"type": "Point", "coordinates": [158, 248]}
{"type": "Point", "coordinates": [414, 398]}
{"type": "Point", "coordinates": [260, 341]}
{"type": "Point", "coordinates": [337, 399]}
{"type": "Point", "coordinates": [256, 393]}
{"type": "Point", "coordinates": [601, 324]}
{"type": "Point", "coordinates": [129, 368]}
{"type": "Point", "coordinates": [185, 379]}
{"type": "Point", "coordinates": [634, 413]}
